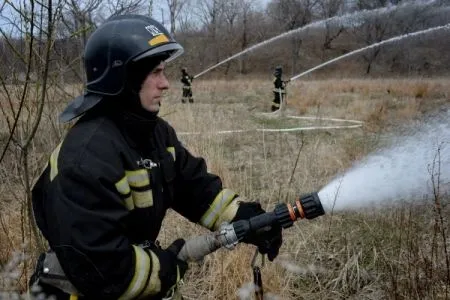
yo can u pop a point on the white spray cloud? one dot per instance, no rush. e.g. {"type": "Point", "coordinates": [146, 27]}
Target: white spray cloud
{"type": "Point", "coordinates": [402, 171]}
{"type": "Point", "coordinates": [309, 269]}
{"type": "Point", "coordinates": [247, 292]}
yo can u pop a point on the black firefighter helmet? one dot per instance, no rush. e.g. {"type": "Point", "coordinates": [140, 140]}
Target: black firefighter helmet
{"type": "Point", "coordinates": [119, 42]}
{"type": "Point", "coordinates": [278, 71]}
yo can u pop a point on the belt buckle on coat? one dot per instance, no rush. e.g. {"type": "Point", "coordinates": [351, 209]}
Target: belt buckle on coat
{"type": "Point", "coordinates": [147, 163]}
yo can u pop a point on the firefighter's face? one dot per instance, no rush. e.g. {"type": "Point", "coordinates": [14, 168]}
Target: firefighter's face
{"type": "Point", "coordinates": [152, 88]}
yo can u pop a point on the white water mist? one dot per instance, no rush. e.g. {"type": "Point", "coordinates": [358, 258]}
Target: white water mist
{"type": "Point", "coordinates": [404, 171]}
{"type": "Point", "coordinates": [247, 292]}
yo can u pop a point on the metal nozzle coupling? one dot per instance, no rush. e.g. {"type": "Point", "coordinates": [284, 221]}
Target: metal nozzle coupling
{"type": "Point", "coordinates": [311, 206]}
{"type": "Point", "coordinates": [306, 206]}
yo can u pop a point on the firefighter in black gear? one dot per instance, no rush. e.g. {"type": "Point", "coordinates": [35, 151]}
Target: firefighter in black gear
{"type": "Point", "coordinates": [102, 198]}
{"type": "Point", "coordinates": [186, 80]}
{"type": "Point", "coordinates": [279, 90]}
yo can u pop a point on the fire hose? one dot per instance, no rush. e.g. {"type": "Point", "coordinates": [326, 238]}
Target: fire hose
{"type": "Point", "coordinates": [228, 235]}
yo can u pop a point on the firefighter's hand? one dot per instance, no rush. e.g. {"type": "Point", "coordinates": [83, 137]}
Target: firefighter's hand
{"type": "Point", "coordinates": [268, 241]}
{"type": "Point", "coordinates": [172, 269]}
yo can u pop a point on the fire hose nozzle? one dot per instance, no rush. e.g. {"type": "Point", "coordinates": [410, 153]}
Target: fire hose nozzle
{"type": "Point", "coordinates": [307, 206]}
{"type": "Point", "coordinates": [311, 205]}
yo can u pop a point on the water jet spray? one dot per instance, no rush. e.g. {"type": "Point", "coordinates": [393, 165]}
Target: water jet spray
{"type": "Point", "coordinates": [375, 45]}
{"type": "Point", "coordinates": [346, 20]}
{"type": "Point", "coordinates": [414, 166]}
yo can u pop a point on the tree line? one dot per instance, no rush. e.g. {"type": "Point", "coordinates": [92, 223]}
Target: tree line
{"type": "Point", "coordinates": [212, 30]}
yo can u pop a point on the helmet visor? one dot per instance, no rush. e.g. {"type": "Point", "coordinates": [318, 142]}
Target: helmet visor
{"type": "Point", "coordinates": [173, 49]}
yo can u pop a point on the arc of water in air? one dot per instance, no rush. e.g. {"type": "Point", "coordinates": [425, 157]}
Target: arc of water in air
{"type": "Point", "coordinates": [391, 40]}
{"type": "Point", "coordinates": [318, 24]}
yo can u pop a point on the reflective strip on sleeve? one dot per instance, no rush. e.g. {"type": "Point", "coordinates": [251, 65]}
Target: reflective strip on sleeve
{"type": "Point", "coordinates": [142, 199]}
{"type": "Point", "coordinates": [54, 162]}
{"type": "Point", "coordinates": [138, 178]}
{"type": "Point", "coordinates": [154, 284]}
{"type": "Point", "coordinates": [171, 150]}
{"type": "Point", "coordinates": [123, 188]}
{"type": "Point", "coordinates": [228, 214]}
{"type": "Point", "coordinates": [141, 273]}
{"type": "Point", "coordinates": [219, 204]}
{"type": "Point", "coordinates": [135, 189]}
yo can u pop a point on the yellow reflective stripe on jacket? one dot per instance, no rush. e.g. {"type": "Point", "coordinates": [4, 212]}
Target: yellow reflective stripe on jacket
{"type": "Point", "coordinates": [228, 214]}
{"type": "Point", "coordinates": [54, 162]}
{"type": "Point", "coordinates": [171, 150]}
{"type": "Point", "coordinates": [279, 91]}
{"type": "Point", "coordinates": [142, 199]}
{"type": "Point", "coordinates": [122, 186]}
{"type": "Point", "coordinates": [219, 204]}
{"type": "Point", "coordinates": [141, 273]}
{"type": "Point", "coordinates": [154, 284]}
{"type": "Point", "coordinates": [138, 178]}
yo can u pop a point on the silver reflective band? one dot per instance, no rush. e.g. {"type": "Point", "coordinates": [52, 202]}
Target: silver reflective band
{"type": "Point", "coordinates": [167, 47]}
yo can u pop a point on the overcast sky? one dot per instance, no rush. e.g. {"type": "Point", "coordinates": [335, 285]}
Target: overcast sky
{"type": "Point", "coordinates": [160, 8]}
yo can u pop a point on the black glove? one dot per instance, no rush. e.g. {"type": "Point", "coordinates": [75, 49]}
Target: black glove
{"type": "Point", "coordinates": [268, 241]}
{"type": "Point", "coordinates": [172, 269]}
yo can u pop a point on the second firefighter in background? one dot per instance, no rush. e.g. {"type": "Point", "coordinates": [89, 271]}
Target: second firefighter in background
{"type": "Point", "coordinates": [279, 90]}
{"type": "Point", "coordinates": [186, 79]}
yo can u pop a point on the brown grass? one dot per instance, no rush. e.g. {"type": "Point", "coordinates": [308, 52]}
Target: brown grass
{"type": "Point", "coordinates": [381, 254]}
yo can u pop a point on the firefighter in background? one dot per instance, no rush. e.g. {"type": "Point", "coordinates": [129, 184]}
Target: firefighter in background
{"type": "Point", "coordinates": [279, 90]}
{"type": "Point", "coordinates": [186, 79]}
{"type": "Point", "coordinates": [103, 196]}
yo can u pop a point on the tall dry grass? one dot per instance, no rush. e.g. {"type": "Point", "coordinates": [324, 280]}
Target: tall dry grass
{"type": "Point", "coordinates": [391, 253]}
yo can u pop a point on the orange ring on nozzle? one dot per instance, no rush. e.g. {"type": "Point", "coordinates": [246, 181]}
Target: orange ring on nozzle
{"type": "Point", "coordinates": [299, 208]}
{"type": "Point", "coordinates": [291, 212]}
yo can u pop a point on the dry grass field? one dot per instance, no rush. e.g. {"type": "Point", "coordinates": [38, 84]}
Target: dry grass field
{"type": "Point", "coordinates": [396, 252]}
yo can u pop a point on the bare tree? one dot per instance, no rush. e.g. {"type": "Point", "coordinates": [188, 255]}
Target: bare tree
{"type": "Point", "coordinates": [119, 7]}
{"type": "Point", "coordinates": [377, 27]}
{"type": "Point", "coordinates": [175, 8]}
{"type": "Point", "coordinates": [210, 13]}
{"type": "Point", "coordinates": [246, 11]}
{"type": "Point", "coordinates": [292, 14]}
{"type": "Point", "coordinates": [26, 93]}
{"type": "Point", "coordinates": [78, 20]}
{"type": "Point", "coordinates": [329, 9]}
